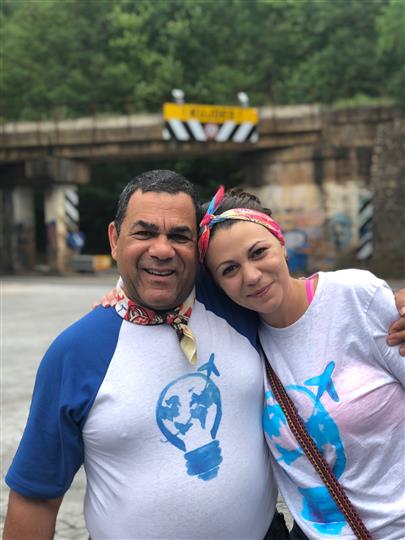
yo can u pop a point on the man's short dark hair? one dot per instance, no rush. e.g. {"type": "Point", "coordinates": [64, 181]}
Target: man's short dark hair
{"type": "Point", "coordinates": [160, 181]}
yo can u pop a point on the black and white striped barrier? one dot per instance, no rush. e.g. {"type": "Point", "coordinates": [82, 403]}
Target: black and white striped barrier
{"type": "Point", "coordinates": [74, 238]}
{"type": "Point", "coordinates": [193, 130]}
{"type": "Point", "coordinates": [365, 221]}
{"type": "Point", "coordinates": [204, 123]}
{"type": "Point", "coordinates": [71, 205]}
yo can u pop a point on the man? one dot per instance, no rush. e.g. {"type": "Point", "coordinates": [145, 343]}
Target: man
{"type": "Point", "coordinates": [160, 397]}
{"type": "Point", "coordinates": [172, 449]}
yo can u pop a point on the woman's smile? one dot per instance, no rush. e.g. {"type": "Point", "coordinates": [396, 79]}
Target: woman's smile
{"type": "Point", "coordinates": [260, 292]}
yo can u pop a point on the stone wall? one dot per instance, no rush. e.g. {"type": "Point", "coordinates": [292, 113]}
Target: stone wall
{"type": "Point", "coordinates": [388, 185]}
{"type": "Point", "coordinates": [315, 191]}
{"type": "Point", "coordinates": [312, 166]}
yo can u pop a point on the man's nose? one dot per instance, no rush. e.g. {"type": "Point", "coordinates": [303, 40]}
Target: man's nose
{"type": "Point", "coordinates": [161, 248]}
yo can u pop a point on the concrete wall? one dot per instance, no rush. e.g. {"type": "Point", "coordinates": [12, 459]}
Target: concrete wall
{"type": "Point", "coordinates": [17, 229]}
{"type": "Point", "coordinates": [6, 230]}
{"type": "Point", "coordinates": [315, 191]}
{"type": "Point", "coordinates": [388, 185]}
{"type": "Point", "coordinates": [58, 178]}
{"type": "Point", "coordinates": [312, 166]}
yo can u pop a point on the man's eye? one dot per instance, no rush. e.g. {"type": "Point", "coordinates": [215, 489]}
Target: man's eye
{"type": "Point", "coordinates": [143, 234]}
{"type": "Point", "coordinates": [181, 238]}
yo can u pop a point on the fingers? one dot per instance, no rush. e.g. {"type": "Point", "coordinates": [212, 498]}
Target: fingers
{"type": "Point", "coordinates": [109, 303]}
{"type": "Point", "coordinates": [400, 301]}
{"type": "Point", "coordinates": [396, 335]}
{"type": "Point", "coordinates": [397, 327]}
{"type": "Point", "coordinates": [396, 338]}
{"type": "Point", "coordinates": [108, 300]}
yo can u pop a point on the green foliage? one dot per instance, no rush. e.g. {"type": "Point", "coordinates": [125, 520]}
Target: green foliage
{"type": "Point", "coordinates": [52, 54]}
{"type": "Point", "coordinates": [361, 100]}
{"type": "Point", "coordinates": [339, 53]}
{"type": "Point", "coordinates": [79, 57]}
{"type": "Point", "coordinates": [391, 49]}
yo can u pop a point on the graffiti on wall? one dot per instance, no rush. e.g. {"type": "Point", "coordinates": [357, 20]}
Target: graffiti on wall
{"type": "Point", "coordinates": [296, 241]}
{"type": "Point", "coordinates": [340, 231]}
{"type": "Point", "coordinates": [321, 231]}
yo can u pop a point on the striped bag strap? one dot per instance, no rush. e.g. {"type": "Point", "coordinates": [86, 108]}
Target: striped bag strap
{"type": "Point", "coordinates": [312, 452]}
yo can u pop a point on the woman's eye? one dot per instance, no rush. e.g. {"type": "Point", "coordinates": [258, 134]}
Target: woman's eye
{"type": "Point", "coordinates": [228, 270]}
{"type": "Point", "coordinates": [259, 252]}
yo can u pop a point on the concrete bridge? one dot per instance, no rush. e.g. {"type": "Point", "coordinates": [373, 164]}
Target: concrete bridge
{"type": "Point", "coordinates": [311, 165]}
{"type": "Point", "coordinates": [140, 136]}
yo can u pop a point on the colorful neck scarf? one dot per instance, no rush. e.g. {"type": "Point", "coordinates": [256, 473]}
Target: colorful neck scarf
{"type": "Point", "coordinates": [242, 214]}
{"type": "Point", "coordinates": [177, 318]}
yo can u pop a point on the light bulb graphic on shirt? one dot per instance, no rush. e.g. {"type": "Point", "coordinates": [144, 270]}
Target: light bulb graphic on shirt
{"type": "Point", "coordinates": [188, 413]}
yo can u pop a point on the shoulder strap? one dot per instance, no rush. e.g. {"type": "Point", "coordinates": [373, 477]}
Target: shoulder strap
{"type": "Point", "coordinates": [309, 284]}
{"type": "Point", "coordinates": [312, 452]}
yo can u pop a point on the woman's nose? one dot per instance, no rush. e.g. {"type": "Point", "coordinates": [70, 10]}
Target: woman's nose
{"type": "Point", "coordinates": [251, 274]}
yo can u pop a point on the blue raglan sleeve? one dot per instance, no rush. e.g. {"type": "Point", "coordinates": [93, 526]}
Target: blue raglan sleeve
{"type": "Point", "coordinates": [69, 376]}
{"type": "Point", "coordinates": [242, 320]}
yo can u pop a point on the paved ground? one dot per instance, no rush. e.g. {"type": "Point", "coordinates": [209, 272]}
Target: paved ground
{"type": "Point", "coordinates": [33, 310]}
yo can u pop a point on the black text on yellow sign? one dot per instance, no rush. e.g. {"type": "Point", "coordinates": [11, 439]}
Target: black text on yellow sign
{"type": "Point", "coordinates": [213, 114]}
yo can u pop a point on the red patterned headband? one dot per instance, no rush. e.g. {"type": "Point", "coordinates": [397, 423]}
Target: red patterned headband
{"type": "Point", "coordinates": [242, 214]}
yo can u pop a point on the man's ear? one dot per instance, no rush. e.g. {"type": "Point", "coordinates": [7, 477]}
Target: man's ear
{"type": "Point", "coordinates": [113, 237]}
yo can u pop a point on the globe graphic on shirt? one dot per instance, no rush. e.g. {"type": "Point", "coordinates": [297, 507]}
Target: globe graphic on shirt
{"type": "Point", "coordinates": [318, 508]}
{"type": "Point", "coordinates": [188, 413]}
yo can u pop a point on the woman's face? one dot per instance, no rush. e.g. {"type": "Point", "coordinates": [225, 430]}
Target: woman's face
{"type": "Point", "coordinates": [249, 264]}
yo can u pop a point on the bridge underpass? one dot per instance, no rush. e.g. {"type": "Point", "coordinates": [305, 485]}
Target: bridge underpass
{"type": "Point", "coordinates": [312, 166]}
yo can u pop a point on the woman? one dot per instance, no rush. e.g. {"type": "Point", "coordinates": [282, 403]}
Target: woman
{"type": "Point", "coordinates": [325, 337]}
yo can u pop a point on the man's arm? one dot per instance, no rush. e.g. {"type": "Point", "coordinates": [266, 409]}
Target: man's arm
{"type": "Point", "coordinates": [396, 332]}
{"type": "Point", "coordinates": [30, 519]}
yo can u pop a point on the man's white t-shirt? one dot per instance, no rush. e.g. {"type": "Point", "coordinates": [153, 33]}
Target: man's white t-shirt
{"type": "Point", "coordinates": [171, 450]}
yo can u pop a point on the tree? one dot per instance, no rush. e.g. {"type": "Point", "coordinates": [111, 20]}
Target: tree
{"type": "Point", "coordinates": [338, 56]}
{"type": "Point", "coordinates": [391, 49]}
{"type": "Point", "coordinates": [79, 57]}
{"type": "Point", "coordinates": [52, 54]}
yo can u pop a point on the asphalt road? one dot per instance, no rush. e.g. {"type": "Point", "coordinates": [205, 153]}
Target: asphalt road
{"type": "Point", "coordinates": [33, 310]}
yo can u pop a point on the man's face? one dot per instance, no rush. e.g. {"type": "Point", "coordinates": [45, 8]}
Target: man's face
{"type": "Point", "coordinates": [156, 250]}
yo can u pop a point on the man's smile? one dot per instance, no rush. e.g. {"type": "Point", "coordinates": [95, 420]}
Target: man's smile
{"type": "Point", "coordinates": [161, 273]}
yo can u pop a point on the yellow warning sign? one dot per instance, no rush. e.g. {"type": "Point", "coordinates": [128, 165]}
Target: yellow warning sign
{"type": "Point", "coordinates": [212, 114]}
